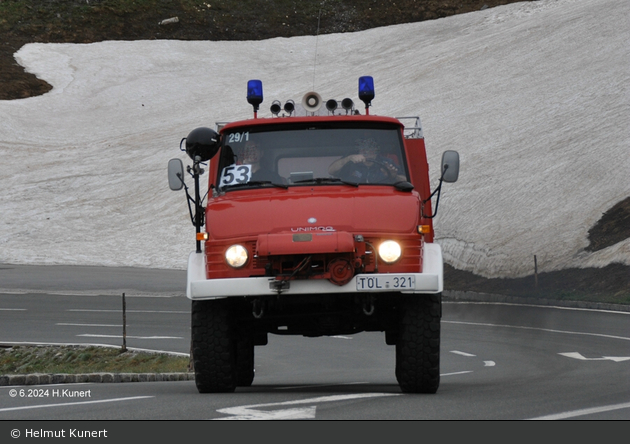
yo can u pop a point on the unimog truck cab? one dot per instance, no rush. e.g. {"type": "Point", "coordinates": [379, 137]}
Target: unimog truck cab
{"type": "Point", "coordinates": [318, 221]}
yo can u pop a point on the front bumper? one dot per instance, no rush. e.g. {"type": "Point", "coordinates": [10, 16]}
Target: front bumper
{"type": "Point", "coordinates": [430, 281]}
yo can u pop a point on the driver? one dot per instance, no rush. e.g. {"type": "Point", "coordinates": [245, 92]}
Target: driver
{"type": "Point", "coordinates": [367, 166]}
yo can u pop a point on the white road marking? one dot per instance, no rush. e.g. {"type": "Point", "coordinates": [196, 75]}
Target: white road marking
{"type": "Point", "coordinates": [582, 412]}
{"type": "Point", "coordinates": [539, 329]}
{"type": "Point", "coordinates": [129, 337]}
{"type": "Point", "coordinates": [463, 353]}
{"type": "Point", "coordinates": [456, 373]}
{"type": "Point", "coordinates": [576, 355]}
{"type": "Point", "coordinates": [470, 355]}
{"type": "Point", "coordinates": [555, 307]}
{"type": "Point", "coordinates": [90, 325]}
{"type": "Point", "coordinates": [248, 414]}
{"type": "Point", "coordinates": [12, 309]}
{"type": "Point", "coordinates": [617, 358]}
{"type": "Point", "coordinates": [44, 406]}
{"type": "Point", "coordinates": [129, 311]}
{"type": "Point", "coordinates": [253, 412]}
{"type": "Point", "coordinates": [95, 293]}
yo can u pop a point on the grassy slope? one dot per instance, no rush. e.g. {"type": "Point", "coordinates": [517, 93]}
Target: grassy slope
{"type": "Point", "coordinates": [86, 359]}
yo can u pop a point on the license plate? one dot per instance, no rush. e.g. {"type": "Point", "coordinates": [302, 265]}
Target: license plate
{"type": "Point", "coordinates": [386, 282]}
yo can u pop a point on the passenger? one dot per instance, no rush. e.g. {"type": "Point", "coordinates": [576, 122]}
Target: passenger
{"type": "Point", "coordinates": [367, 166]}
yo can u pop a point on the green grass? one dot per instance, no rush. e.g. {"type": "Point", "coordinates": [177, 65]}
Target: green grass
{"type": "Point", "coordinates": [82, 21]}
{"type": "Point", "coordinates": [619, 298]}
{"type": "Point", "coordinates": [45, 17]}
{"type": "Point", "coordinates": [89, 359]}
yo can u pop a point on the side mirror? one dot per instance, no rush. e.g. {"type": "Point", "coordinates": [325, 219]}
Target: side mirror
{"type": "Point", "coordinates": [450, 163]}
{"type": "Point", "coordinates": [175, 174]}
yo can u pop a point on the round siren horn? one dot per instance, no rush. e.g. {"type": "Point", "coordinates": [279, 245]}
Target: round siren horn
{"type": "Point", "coordinates": [311, 102]}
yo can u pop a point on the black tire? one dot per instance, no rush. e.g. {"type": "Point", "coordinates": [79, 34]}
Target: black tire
{"type": "Point", "coordinates": [244, 361]}
{"type": "Point", "coordinates": [214, 347]}
{"type": "Point", "coordinates": [418, 344]}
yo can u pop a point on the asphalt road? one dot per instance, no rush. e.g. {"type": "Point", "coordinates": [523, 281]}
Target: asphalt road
{"type": "Point", "coordinates": [498, 361]}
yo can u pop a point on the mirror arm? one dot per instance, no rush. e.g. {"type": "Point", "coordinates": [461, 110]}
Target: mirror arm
{"type": "Point", "coordinates": [438, 190]}
{"type": "Point", "coordinates": [198, 218]}
{"type": "Point", "coordinates": [189, 199]}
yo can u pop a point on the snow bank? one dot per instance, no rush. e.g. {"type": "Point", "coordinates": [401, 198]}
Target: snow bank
{"type": "Point", "coordinates": [533, 95]}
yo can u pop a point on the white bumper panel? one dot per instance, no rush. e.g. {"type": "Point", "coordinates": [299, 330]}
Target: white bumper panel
{"type": "Point", "coordinates": [429, 281]}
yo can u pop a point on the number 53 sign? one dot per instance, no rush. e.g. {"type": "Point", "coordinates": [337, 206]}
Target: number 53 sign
{"type": "Point", "coordinates": [235, 174]}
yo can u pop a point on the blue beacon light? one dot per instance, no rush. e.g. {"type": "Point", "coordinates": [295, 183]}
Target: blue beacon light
{"type": "Point", "coordinates": [255, 94]}
{"type": "Point", "coordinates": [366, 91]}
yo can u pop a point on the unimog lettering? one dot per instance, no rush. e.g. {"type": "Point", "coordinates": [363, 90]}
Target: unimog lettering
{"type": "Point", "coordinates": [305, 229]}
{"type": "Point", "coordinates": [319, 222]}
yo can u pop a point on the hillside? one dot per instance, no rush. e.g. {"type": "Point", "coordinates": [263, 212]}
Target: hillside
{"type": "Point", "coordinates": [84, 21]}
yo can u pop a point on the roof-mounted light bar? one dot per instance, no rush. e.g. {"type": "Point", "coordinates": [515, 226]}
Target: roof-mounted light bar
{"type": "Point", "coordinates": [311, 101]}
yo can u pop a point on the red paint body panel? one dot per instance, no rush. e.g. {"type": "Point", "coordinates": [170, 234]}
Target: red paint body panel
{"type": "Point", "coordinates": [315, 242]}
{"type": "Point", "coordinates": [314, 120]}
{"type": "Point", "coordinates": [336, 208]}
{"type": "Point", "coordinates": [265, 219]}
{"type": "Point", "coordinates": [419, 170]}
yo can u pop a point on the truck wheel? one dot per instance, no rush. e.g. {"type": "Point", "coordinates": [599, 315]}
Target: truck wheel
{"type": "Point", "coordinates": [418, 345]}
{"type": "Point", "coordinates": [244, 361]}
{"type": "Point", "coordinates": [214, 347]}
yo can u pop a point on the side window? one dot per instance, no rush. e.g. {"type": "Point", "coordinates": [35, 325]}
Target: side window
{"type": "Point", "coordinates": [227, 157]}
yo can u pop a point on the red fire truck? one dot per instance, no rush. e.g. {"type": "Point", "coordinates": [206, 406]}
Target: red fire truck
{"type": "Point", "coordinates": [318, 221]}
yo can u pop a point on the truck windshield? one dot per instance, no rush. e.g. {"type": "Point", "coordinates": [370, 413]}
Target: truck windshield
{"type": "Point", "coordinates": [286, 156]}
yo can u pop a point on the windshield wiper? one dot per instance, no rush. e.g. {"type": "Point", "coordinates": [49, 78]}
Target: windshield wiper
{"type": "Point", "coordinates": [327, 180]}
{"type": "Point", "coordinates": [259, 182]}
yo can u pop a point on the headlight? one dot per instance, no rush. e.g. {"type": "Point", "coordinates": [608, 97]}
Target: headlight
{"type": "Point", "coordinates": [236, 256]}
{"type": "Point", "coordinates": [389, 251]}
